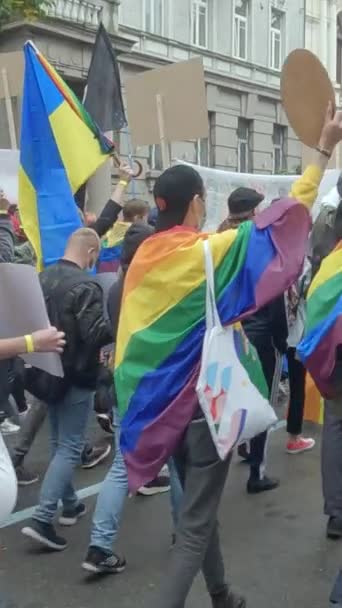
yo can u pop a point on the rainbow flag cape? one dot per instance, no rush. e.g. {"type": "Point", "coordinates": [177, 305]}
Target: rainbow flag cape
{"type": "Point", "coordinates": [323, 333]}
{"type": "Point", "coordinates": [60, 149]}
{"type": "Point", "coordinates": [110, 255]}
{"type": "Point", "coordinates": [162, 321]}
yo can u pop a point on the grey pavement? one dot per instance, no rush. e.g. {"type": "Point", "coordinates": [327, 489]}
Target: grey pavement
{"type": "Point", "coordinates": [274, 545]}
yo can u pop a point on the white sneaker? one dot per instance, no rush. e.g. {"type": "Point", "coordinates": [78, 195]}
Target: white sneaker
{"type": "Point", "coordinates": [7, 427]}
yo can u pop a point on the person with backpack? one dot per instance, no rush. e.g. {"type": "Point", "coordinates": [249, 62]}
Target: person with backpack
{"type": "Point", "coordinates": [75, 305]}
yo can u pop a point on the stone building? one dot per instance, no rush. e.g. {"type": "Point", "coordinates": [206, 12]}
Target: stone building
{"type": "Point", "coordinates": [243, 44]}
{"type": "Point", "coordinates": [323, 36]}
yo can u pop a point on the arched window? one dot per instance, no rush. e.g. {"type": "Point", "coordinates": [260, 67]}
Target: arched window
{"type": "Point", "coordinates": [339, 49]}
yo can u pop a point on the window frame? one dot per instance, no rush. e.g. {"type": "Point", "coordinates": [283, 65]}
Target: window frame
{"type": "Point", "coordinates": [152, 5]}
{"type": "Point", "coordinates": [196, 6]}
{"type": "Point", "coordinates": [273, 33]}
{"type": "Point", "coordinates": [281, 147]}
{"type": "Point", "coordinates": [247, 142]}
{"type": "Point", "coordinates": [237, 21]}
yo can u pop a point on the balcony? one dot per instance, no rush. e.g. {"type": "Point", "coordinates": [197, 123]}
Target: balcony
{"type": "Point", "coordinates": [81, 12]}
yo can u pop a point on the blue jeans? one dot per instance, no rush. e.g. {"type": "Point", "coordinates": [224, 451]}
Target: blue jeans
{"type": "Point", "coordinates": [68, 422]}
{"type": "Point", "coordinates": [113, 494]}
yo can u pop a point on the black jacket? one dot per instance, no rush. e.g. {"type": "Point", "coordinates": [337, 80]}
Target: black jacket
{"type": "Point", "coordinates": [268, 326]}
{"type": "Point", "coordinates": [75, 305]}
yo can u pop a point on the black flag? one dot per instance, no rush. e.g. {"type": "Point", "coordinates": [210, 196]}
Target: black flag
{"type": "Point", "coordinates": [103, 98]}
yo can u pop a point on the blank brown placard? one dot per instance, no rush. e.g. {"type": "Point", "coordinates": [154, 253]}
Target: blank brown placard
{"type": "Point", "coordinates": [182, 88]}
{"type": "Point", "coordinates": [14, 66]}
{"type": "Point", "coordinates": [306, 90]}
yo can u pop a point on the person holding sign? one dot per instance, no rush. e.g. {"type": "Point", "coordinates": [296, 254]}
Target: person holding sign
{"type": "Point", "coordinates": [159, 347]}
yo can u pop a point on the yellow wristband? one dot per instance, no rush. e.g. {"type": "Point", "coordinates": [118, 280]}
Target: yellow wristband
{"type": "Point", "coordinates": [29, 344]}
{"type": "Point", "coordinates": [123, 182]}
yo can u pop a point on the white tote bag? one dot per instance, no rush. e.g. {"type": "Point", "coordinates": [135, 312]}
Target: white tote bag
{"type": "Point", "coordinates": [231, 383]}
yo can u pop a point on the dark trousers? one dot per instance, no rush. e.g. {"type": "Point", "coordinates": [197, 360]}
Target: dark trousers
{"type": "Point", "coordinates": [332, 458]}
{"type": "Point", "coordinates": [297, 393]}
{"type": "Point", "coordinates": [258, 444]}
{"type": "Point", "coordinates": [203, 476]}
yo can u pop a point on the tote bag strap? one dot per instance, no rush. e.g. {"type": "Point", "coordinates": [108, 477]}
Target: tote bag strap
{"type": "Point", "coordinates": [212, 316]}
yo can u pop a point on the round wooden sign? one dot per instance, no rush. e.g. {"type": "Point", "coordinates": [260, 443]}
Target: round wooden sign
{"type": "Point", "coordinates": [306, 90]}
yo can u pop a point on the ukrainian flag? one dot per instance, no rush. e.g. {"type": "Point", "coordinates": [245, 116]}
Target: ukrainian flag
{"type": "Point", "coordinates": [60, 149]}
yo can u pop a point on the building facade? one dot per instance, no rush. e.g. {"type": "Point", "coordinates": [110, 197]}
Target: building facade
{"type": "Point", "coordinates": [323, 36]}
{"type": "Point", "coordinates": [243, 44]}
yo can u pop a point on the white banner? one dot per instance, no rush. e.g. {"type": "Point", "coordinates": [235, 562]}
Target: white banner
{"type": "Point", "coordinates": [220, 184]}
{"type": "Point", "coordinates": [9, 167]}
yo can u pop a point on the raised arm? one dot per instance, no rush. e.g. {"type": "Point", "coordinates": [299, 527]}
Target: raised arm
{"type": "Point", "coordinates": [305, 188]}
{"type": "Point", "coordinates": [111, 211]}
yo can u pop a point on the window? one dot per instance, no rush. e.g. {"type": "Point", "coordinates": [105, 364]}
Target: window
{"type": "Point", "coordinates": [155, 160]}
{"type": "Point", "coordinates": [279, 148]}
{"type": "Point", "coordinates": [241, 29]}
{"type": "Point", "coordinates": [244, 146]}
{"type": "Point", "coordinates": [199, 23]}
{"type": "Point", "coordinates": [276, 39]}
{"type": "Point", "coordinates": [154, 16]}
{"type": "Point", "coordinates": [202, 152]}
{"type": "Point", "coordinates": [339, 49]}
{"type": "Point", "coordinates": [204, 148]}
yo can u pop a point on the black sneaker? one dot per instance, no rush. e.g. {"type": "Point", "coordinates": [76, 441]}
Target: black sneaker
{"type": "Point", "coordinates": [257, 486]}
{"type": "Point", "coordinates": [244, 453]}
{"type": "Point", "coordinates": [45, 534]}
{"type": "Point", "coordinates": [70, 518]}
{"type": "Point", "coordinates": [106, 423]}
{"type": "Point", "coordinates": [25, 477]}
{"type": "Point", "coordinates": [334, 528]}
{"type": "Point", "coordinates": [92, 458]}
{"type": "Point", "coordinates": [157, 486]}
{"type": "Point", "coordinates": [228, 600]}
{"type": "Point", "coordinates": [100, 562]}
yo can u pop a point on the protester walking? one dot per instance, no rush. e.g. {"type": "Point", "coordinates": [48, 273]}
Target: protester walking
{"type": "Point", "coordinates": [75, 301]}
{"type": "Point", "coordinates": [101, 558]}
{"type": "Point", "coordinates": [267, 331]}
{"type": "Point", "coordinates": [295, 311]}
{"type": "Point", "coordinates": [169, 420]}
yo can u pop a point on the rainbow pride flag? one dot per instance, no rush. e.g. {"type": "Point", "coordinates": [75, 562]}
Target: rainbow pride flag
{"type": "Point", "coordinates": [162, 320]}
{"type": "Point", "coordinates": [323, 333]}
{"type": "Point", "coordinates": [60, 149]}
{"type": "Point", "coordinates": [110, 255]}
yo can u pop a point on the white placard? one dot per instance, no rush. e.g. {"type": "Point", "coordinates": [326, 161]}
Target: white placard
{"type": "Point", "coordinates": [23, 311]}
{"type": "Point", "coordinates": [220, 184]}
{"type": "Point", "coordinates": [9, 167]}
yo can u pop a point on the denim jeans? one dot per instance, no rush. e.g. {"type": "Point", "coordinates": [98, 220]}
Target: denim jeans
{"type": "Point", "coordinates": [68, 421]}
{"type": "Point", "coordinates": [113, 494]}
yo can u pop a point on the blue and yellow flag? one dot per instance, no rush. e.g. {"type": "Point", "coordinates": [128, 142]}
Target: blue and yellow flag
{"type": "Point", "coordinates": [60, 149]}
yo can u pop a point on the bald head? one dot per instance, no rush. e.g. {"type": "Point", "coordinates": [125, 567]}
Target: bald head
{"type": "Point", "coordinates": [83, 248]}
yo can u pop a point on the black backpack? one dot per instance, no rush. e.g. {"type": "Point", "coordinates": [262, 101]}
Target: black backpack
{"type": "Point", "coordinates": [39, 383]}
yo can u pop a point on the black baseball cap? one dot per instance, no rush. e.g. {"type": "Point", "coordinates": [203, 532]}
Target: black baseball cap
{"type": "Point", "coordinates": [244, 200]}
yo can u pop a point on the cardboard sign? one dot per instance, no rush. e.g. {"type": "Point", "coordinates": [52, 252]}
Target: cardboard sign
{"type": "Point", "coordinates": [13, 63]}
{"type": "Point", "coordinates": [306, 90]}
{"type": "Point", "coordinates": [9, 167]}
{"type": "Point", "coordinates": [181, 88]}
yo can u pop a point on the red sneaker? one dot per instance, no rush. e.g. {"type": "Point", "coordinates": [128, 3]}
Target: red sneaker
{"type": "Point", "coordinates": [300, 445]}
